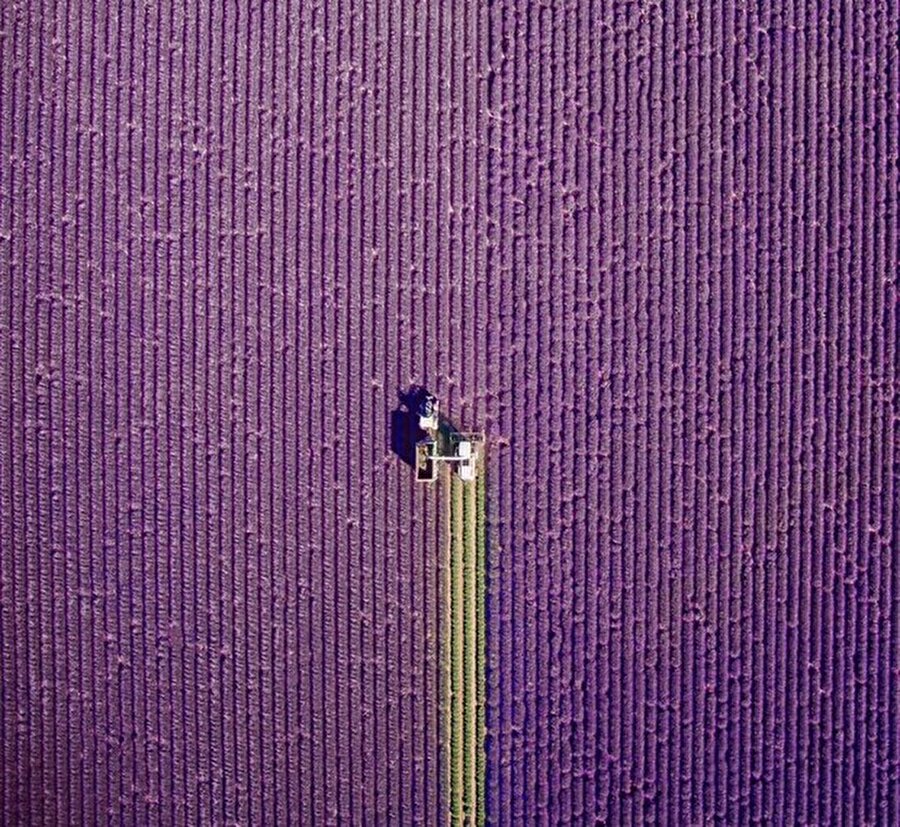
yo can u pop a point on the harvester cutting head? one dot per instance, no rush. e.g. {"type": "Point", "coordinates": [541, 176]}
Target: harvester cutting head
{"type": "Point", "coordinates": [426, 460]}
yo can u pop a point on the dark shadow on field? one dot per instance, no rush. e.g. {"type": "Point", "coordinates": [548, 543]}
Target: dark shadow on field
{"type": "Point", "coordinates": [405, 426]}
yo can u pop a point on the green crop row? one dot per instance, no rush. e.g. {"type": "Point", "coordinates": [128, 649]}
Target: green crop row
{"type": "Point", "coordinates": [480, 592]}
{"type": "Point", "coordinates": [466, 682]}
{"type": "Point", "coordinates": [470, 632]}
{"type": "Point", "coordinates": [457, 742]}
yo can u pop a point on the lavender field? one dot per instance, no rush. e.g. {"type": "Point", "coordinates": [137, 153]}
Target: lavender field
{"type": "Point", "coordinates": [650, 248]}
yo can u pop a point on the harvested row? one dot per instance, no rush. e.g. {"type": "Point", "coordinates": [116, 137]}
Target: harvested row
{"type": "Point", "coordinates": [467, 533]}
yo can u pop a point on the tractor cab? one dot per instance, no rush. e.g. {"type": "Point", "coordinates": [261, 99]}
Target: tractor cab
{"type": "Point", "coordinates": [429, 413]}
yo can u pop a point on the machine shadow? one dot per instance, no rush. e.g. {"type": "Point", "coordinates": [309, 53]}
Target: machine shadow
{"type": "Point", "coordinates": [405, 426]}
